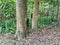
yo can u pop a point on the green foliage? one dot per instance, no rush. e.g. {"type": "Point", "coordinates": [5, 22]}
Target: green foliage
{"type": "Point", "coordinates": [46, 20]}
{"type": "Point", "coordinates": [30, 5]}
{"type": "Point", "coordinates": [8, 26]}
{"type": "Point", "coordinates": [8, 9]}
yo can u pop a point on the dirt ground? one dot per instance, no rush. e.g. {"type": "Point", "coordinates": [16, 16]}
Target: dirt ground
{"type": "Point", "coordinates": [46, 36]}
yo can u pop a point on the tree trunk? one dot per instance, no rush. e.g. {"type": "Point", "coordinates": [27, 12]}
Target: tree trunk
{"type": "Point", "coordinates": [21, 10]}
{"type": "Point", "coordinates": [57, 16]}
{"type": "Point", "coordinates": [35, 14]}
{"type": "Point", "coordinates": [57, 10]}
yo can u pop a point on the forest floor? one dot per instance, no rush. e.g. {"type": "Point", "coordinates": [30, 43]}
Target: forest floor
{"type": "Point", "coordinates": [46, 36]}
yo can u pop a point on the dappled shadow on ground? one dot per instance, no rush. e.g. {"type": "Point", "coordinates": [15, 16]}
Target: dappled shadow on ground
{"type": "Point", "coordinates": [44, 37]}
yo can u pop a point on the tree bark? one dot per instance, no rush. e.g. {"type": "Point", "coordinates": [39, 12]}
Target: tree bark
{"type": "Point", "coordinates": [21, 12]}
{"type": "Point", "coordinates": [57, 16]}
{"type": "Point", "coordinates": [35, 14]}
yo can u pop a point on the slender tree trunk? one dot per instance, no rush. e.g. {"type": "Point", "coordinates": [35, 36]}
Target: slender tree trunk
{"type": "Point", "coordinates": [35, 14]}
{"type": "Point", "coordinates": [57, 9]}
{"type": "Point", "coordinates": [57, 16]}
{"type": "Point", "coordinates": [21, 10]}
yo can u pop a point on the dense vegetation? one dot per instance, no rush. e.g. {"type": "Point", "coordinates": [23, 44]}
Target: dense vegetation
{"type": "Point", "coordinates": [48, 13]}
